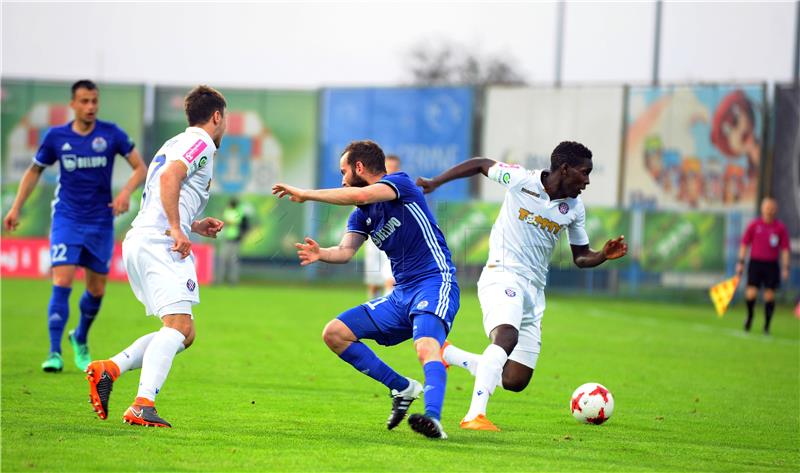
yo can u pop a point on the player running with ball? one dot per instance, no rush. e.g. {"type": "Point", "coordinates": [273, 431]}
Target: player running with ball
{"type": "Point", "coordinates": [391, 211]}
{"type": "Point", "coordinates": [538, 206]}
{"type": "Point", "coordinates": [158, 256]}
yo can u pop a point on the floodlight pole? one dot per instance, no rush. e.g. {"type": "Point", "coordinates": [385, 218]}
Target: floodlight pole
{"type": "Point", "coordinates": [657, 43]}
{"type": "Point", "coordinates": [797, 44]}
{"type": "Point", "coordinates": [559, 40]}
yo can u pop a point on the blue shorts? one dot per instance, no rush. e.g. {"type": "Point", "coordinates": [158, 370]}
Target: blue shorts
{"type": "Point", "coordinates": [393, 319]}
{"type": "Point", "coordinates": [87, 245]}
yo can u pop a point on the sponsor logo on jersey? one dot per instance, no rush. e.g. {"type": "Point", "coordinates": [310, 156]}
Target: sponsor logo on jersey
{"type": "Point", "coordinates": [538, 221]}
{"type": "Point", "coordinates": [506, 178]}
{"type": "Point", "coordinates": [530, 192]}
{"type": "Point", "coordinates": [202, 162]}
{"type": "Point", "coordinates": [70, 162]}
{"type": "Point", "coordinates": [66, 147]}
{"type": "Point", "coordinates": [99, 144]}
{"type": "Point", "coordinates": [563, 207]}
{"type": "Point", "coordinates": [190, 285]}
{"type": "Point", "coordinates": [422, 305]}
{"type": "Point", "coordinates": [194, 151]}
{"type": "Point", "coordinates": [385, 232]}
{"type": "Point", "coordinates": [510, 293]}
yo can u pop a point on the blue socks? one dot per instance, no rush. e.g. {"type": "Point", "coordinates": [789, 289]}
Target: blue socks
{"type": "Point", "coordinates": [57, 316]}
{"type": "Point", "coordinates": [435, 382]}
{"type": "Point", "coordinates": [89, 305]}
{"type": "Point", "coordinates": [366, 361]}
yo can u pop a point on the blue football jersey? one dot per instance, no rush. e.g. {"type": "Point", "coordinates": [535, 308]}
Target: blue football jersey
{"type": "Point", "coordinates": [405, 229]}
{"type": "Point", "coordinates": [86, 167]}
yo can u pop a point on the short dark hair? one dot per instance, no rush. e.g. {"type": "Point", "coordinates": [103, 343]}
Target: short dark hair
{"type": "Point", "coordinates": [83, 84]}
{"type": "Point", "coordinates": [201, 103]}
{"type": "Point", "coordinates": [570, 153]}
{"type": "Point", "coordinates": [369, 153]}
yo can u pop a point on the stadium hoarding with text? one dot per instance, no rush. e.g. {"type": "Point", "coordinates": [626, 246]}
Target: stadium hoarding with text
{"type": "Point", "coordinates": [523, 125]}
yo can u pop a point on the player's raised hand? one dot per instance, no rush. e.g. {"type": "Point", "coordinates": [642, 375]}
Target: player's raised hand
{"type": "Point", "coordinates": [208, 227]}
{"type": "Point", "coordinates": [182, 243]}
{"type": "Point", "coordinates": [616, 248]}
{"type": "Point", "coordinates": [308, 252]}
{"type": "Point", "coordinates": [121, 203]}
{"type": "Point", "coordinates": [11, 221]}
{"type": "Point", "coordinates": [427, 185]}
{"type": "Point", "coordinates": [295, 193]}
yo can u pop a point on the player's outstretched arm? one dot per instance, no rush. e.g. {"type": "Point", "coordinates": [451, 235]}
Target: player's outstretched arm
{"type": "Point", "coordinates": [461, 170]}
{"type": "Point", "coordinates": [26, 186]}
{"type": "Point", "coordinates": [310, 252]}
{"type": "Point", "coordinates": [341, 196]}
{"type": "Point", "coordinates": [122, 201]}
{"type": "Point", "coordinates": [585, 257]}
{"type": "Point", "coordinates": [208, 227]}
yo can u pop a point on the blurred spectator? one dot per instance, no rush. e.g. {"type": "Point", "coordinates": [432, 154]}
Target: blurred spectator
{"type": "Point", "coordinates": [768, 239]}
{"type": "Point", "coordinates": [236, 224]}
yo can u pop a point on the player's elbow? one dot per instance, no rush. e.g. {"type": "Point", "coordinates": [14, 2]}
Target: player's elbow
{"type": "Point", "coordinates": [362, 197]}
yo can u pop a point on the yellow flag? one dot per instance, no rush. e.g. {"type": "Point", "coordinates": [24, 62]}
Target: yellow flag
{"type": "Point", "coordinates": [722, 293]}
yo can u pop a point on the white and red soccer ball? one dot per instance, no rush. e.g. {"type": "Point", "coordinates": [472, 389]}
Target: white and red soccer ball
{"type": "Point", "coordinates": [592, 403]}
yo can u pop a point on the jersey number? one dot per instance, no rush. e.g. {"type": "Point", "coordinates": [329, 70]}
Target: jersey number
{"type": "Point", "coordinates": [58, 253]}
{"type": "Point", "coordinates": [159, 160]}
{"type": "Point", "coordinates": [376, 302]}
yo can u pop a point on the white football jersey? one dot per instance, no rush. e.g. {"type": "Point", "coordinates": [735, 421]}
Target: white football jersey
{"type": "Point", "coordinates": [527, 230]}
{"type": "Point", "coordinates": [195, 148]}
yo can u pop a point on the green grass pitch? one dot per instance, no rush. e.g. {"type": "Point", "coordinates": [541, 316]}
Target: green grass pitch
{"type": "Point", "coordinates": [260, 391]}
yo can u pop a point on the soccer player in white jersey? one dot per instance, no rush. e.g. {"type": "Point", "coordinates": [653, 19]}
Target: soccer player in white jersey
{"type": "Point", "coordinates": [538, 206]}
{"type": "Point", "coordinates": [158, 258]}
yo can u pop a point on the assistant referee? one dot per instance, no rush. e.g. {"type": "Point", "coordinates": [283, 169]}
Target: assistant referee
{"type": "Point", "coordinates": [768, 239]}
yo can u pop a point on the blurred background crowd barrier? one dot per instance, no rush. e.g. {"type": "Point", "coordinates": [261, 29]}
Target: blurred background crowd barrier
{"type": "Point", "coordinates": [678, 169]}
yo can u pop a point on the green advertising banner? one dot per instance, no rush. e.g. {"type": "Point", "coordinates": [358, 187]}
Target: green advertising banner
{"type": "Point", "coordinates": [602, 224]}
{"type": "Point", "coordinates": [686, 241]}
{"type": "Point", "coordinates": [29, 109]}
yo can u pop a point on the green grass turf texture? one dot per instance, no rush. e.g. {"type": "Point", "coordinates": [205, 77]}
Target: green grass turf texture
{"type": "Point", "coordinates": [260, 391]}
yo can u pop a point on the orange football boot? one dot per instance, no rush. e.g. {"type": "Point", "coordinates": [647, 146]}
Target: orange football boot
{"type": "Point", "coordinates": [101, 375]}
{"type": "Point", "coordinates": [479, 423]}
{"type": "Point", "coordinates": [143, 412]}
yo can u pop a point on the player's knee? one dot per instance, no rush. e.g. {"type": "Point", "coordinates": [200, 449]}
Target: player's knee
{"type": "Point", "coordinates": [334, 334]}
{"type": "Point", "coordinates": [505, 336]}
{"type": "Point", "coordinates": [769, 295]}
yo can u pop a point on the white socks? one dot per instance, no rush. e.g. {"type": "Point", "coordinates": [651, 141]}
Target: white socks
{"type": "Point", "coordinates": [131, 357]}
{"type": "Point", "coordinates": [488, 376]}
{"type": "Point", "coordinates": [455, 356]}
{"type": "Point", "coordinates": [157, 361]}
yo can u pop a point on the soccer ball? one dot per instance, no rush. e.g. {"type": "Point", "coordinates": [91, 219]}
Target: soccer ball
{"type": "Point", "coordinates": [592, 403]}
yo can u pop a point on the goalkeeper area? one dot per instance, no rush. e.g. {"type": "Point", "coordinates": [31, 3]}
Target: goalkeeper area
{"type": "Point", "coordinates": [262, 392]}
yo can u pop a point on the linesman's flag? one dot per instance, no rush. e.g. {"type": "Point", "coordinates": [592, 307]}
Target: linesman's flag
{"type": "Point", "coordinates": [722, 293]}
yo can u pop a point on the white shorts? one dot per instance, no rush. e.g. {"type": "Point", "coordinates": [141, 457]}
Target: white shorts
{"type": "Point", "coordinates": [507, 298]}
{"type": "Point", "coordinates": [160, 279]}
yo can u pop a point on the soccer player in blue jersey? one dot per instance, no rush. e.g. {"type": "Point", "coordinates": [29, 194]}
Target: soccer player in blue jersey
{"type": "Point", "coordinates": [82, 232]}
{"type": "Point", "coordinates": [391, 211]}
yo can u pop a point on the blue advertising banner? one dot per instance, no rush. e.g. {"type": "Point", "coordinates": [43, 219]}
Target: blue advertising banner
{"type": "Point", "coordinates": [429, 129]}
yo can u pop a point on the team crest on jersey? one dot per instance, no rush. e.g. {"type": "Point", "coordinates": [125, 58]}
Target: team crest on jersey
{"type": "Point", "coordinates": [510, 293]}
{"type": "Point", "coordinates": [69, 162]}
{"type": "Point", "coordinates": [563, 207]}
{"type": "Point", "coordinates": [422, 305]}
{"type": "Point", "coordinates": [99, 144]}
{"type": "Point", "coordinates": [190, 285]}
